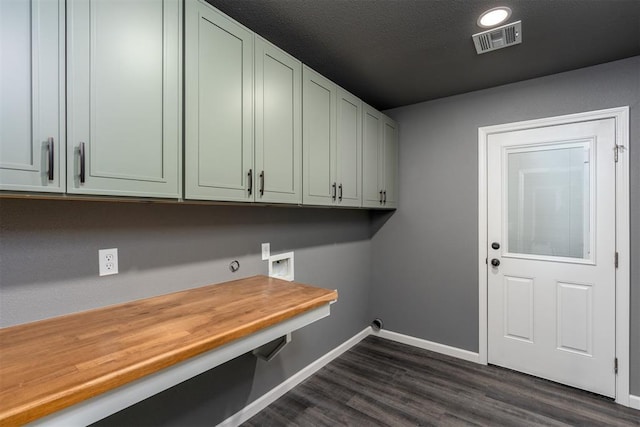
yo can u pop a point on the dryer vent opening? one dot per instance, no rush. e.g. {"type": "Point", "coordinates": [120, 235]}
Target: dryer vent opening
{"type": "Point", "coordinates": [377, 324]}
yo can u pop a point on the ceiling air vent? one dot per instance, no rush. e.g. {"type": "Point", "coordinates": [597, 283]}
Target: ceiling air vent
{"type": "Point", "coordinates": [498, 38]}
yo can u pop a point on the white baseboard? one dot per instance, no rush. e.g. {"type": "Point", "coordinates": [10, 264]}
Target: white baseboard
{"type": "Point", "coordinates": [262, 402]}
{"type": "Point", "coordinates": [634, 401]}
{"type": "Point", "coordinates": [429, 345]}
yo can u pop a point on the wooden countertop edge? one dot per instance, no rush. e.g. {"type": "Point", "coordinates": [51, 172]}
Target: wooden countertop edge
{"type": "Point", "coordinates": [30, 412]}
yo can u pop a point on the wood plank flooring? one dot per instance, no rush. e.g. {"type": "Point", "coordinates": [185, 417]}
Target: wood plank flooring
{"type": "Point", "coordinates": [384, 383]}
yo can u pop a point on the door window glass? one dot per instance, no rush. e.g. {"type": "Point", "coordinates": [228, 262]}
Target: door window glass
{"type": "Point", "coordinates": [548, 201]}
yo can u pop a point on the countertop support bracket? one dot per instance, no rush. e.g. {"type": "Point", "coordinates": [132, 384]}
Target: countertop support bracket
{"type": "Point", "coordinates": [271, 349]}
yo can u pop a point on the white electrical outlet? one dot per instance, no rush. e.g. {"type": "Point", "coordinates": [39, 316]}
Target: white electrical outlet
{"type": "Point", "coordinates": [266, 251]}
{"type": "Point", "coordinates": [108, 261]}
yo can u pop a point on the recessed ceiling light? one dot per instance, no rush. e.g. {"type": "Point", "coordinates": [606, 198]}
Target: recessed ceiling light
{"type": "Point", "coordinates": [493, 17]}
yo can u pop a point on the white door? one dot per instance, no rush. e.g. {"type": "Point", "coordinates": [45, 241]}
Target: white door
{"type": "Point", "coordinates": [551, 237]}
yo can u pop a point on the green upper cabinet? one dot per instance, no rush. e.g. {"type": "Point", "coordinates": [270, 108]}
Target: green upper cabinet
{"type": "Point", "coordinates": [218, 106]}
{"type": "Point", "coordinates": [278, 125]}
{"type": "Point", "coordinates": [332, 143]}
{"type": "Point", "coordinates": [371, 157]}
{"type": "Point", "coordinates": [318, 139]}
{"type": "Point", "coordinates": [349, 150]}
{"type": "Point", "coordinates": [124, 97]}
{"type": "Point", "coordinates": [390, 162]}
{"type": "Point", "coordinates": [379, 160]}
{"type": "Point", "coordinates": [92, 96]}
{"type": "Point", "coordinates": [32, 95]}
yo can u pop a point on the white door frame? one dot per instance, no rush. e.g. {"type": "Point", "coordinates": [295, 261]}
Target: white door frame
{"type": "Point", "coordinates": [621, 117]}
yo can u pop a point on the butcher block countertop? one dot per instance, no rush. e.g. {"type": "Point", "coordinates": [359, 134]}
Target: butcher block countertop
{"type": "Point", "coordinates": [49, 365]}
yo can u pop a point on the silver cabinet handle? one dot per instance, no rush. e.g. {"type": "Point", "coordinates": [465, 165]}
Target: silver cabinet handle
{"type": "Point", "coordinates": [250, 189]}
{"type": "Point", "coordinates": [51, 157]}
{"type": "Point", "coordinates": [262, 183]}
{"type": "Point", "coordinates": [82, 169]}
{"type": "Point", "coordinates": [333, 193]}
{"type": "Point", "coordinates": [380, 196]}
{"type": "Point", "coordinates": [340, 193]}
{"type": "Point", "coordinates": [385, 197]}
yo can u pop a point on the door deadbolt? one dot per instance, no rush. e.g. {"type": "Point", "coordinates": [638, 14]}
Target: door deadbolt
{"type": "Point", "coordinates": [495, 245]}
{"type": "Point", "coordinates": [495, 262]}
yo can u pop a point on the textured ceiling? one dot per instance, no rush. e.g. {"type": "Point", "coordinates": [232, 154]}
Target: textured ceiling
{"type": "Point", "coordinates": [398, 52]}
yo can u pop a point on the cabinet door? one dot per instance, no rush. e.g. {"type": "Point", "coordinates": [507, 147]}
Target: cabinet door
{"type": "Point", "coordinates": [349, 149]}
{"type": "Point", "coordinates": [218, 106]}
{"type": "Point", "coordinates": [124, 97]}
{"type": "Point", "coordinates": [390, 165]}
{"type": "Point", "coordinates": [319, 139]}
{"type": "Point", "coordinates": [372, 176]}
{"type": "Point", "coordinates": [278, 125]}
{"type": "Point", "coordinates": [32, 95]}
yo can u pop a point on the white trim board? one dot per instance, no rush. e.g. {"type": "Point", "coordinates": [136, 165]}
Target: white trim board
{"type": "Point", "coordinates": [429, 345]}
{"type": "Point", "coordinates": [623, 234]}
{"type": "Point", "coordinates": [271, 396]}
{"type": "Point", "coordinates": [634, 402]}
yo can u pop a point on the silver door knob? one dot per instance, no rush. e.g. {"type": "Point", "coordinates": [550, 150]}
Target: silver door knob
{"type": "Point", "coordinates": [495, 262]}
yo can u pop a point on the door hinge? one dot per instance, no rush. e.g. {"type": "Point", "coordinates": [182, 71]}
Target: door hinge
{"type": "Point", "coordinates": [616, 260]}
{"type": "Point", "coordinates": [615, 365]}
{"type": "Point", "coordinates": [486, 261]}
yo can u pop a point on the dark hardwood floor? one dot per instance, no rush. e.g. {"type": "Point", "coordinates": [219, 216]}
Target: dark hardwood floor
{"type": "Point", "coordinates": [381, 382]}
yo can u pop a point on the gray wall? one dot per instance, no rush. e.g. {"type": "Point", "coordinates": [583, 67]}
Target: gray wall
{"type": "Point", "coordinates": [424, 258]}
{"type": "Point", "coordinates": [420, 266]}
{"type": "Point", "coordinates": [48, 267]}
